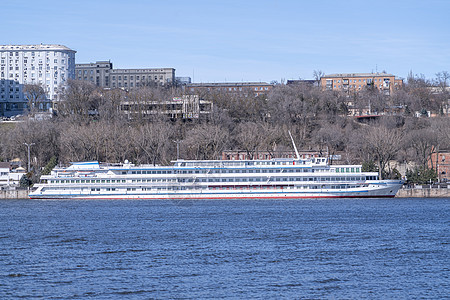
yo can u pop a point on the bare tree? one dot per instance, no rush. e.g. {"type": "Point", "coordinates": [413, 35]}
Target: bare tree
{"type": "Point", "coordinates": [206, 141]}
{"type": "Point", "coordinates": [249, 137]}
{"type": "Point", "coordinates": [35, 95]}
{"type": "Point", "coordinates": [442, 80]}
{"type": "Point", "coordinates": [44, 135]}
{"type": "Point", "coordinates": [79, 100]}
{"type": "Point", "coordinates": [318, 74]}
{"type": "Point", "coordinates": [153, 141]}
{"type": "Point", "coordinates": [382, 144]}
{"type": "Point", "coordinates": [423, 142]}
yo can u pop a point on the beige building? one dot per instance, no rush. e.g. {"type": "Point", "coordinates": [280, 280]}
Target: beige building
{"type": "Point", "coordinates": [354, 82]}
{"type": "Point", "coordinates": [102, 74]}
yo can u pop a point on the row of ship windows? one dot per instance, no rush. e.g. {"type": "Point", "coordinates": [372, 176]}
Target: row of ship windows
{"type": "Point", "coordinates": [253, 187]}
{"type": "Point", "coordinates": [241, 163]}
{"type": "Point", "coordinates": [234, 179]}
{"type": "Point", "coordinates": [222, 171]}
{"type": "Point", "coordinates": [347, 170]}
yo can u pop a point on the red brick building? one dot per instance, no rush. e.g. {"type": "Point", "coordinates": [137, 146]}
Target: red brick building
{"type": "Point", "coordinates": [354, 82]}
{"type": "Point", "coordinates": [440, 161]}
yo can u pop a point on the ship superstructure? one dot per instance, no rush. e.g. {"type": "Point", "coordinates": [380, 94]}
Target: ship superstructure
{"type": "Point", "coordinates": [214, 179]}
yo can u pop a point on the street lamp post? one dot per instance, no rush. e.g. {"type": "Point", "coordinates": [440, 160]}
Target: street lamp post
{"type": "Point", "coordinates": [178, 148]}
{"type": "Point", "coordinates": [29, 162]}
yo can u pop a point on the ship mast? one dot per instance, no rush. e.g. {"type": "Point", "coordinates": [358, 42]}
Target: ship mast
{"type": "Point", "coordinates": [295, 147]}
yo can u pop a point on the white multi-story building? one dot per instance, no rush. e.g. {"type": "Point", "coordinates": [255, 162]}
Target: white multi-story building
{"type": "Point", "coordinates": [49, 65]}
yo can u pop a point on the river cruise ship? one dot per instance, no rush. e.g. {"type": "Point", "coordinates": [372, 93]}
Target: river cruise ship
{"type": "Point", "coordinates": [214, 179]}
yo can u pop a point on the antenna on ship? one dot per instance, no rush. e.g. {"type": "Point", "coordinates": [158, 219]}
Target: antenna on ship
{"type": "Point", "coordinates": [295, 147]}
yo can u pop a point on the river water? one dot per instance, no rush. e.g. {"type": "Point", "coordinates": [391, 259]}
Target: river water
{"type": "Point", "coordinates": [335, 248]}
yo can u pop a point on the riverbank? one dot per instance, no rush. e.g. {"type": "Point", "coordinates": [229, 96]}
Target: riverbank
{"type": "Point", "coordinates": [424, 193]}
{"type": "Point", "coordinates": [13, 194]}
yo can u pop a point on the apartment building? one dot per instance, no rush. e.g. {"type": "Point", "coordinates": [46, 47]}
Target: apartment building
{"type": "Point", "coordinates": [102, 74]}
{"type": "Point", "coordinates": [354, 82]}
{"type": "Point", "coordinates": [48, 65]}
{"type": "Point", "coordinates": [245, 88]}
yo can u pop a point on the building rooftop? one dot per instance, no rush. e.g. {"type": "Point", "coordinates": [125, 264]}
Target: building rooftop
{"type": "Point", "coordinates": [229, 84]}
{"type": "Point", "coordinates": [100, 62]}
{"type": "Point", "coordinates": [40, 47]}
{"type": "Point", "coordinates": [141, 70]}
{"type": "Point", "coordinates": [356, 75]}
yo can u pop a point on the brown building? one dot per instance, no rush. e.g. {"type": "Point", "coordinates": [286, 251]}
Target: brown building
{"type": "Point", "coordinates": [246, 88]}
{"type": "Point", "coordinates": [355, 82]}
{"type": "Point", "coordinates": [440, 161]}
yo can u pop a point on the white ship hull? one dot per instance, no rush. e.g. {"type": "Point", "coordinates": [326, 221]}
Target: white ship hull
{"type": "Point", "coordinates": [386, 191]}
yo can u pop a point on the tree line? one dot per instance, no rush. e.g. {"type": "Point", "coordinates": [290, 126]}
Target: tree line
{"type": "Point", "coordinates": [89, 125]}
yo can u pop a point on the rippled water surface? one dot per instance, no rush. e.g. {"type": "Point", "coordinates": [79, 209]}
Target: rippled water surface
{"type": "Point", "coordinates": [396, 248]}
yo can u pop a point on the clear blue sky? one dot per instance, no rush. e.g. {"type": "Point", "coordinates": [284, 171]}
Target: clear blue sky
{"type": "Point", "coordinates": [245, 40]}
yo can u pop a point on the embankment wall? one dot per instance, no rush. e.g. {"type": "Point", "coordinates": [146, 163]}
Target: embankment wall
{"type": "Point", "coordinates": [14, 194]}
{"type": "Point", "coordinates": [424, 193]}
